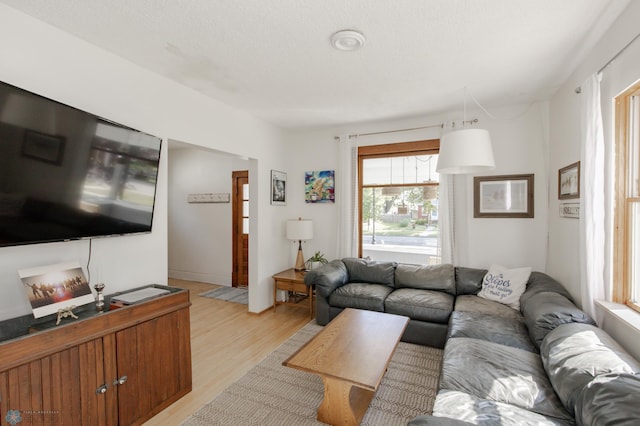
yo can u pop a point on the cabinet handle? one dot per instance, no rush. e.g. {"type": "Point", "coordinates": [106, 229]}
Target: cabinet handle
{"type": "Point", "coordinates": [102, 389]}
{"type": "Point", "coordinates": [121, 381]}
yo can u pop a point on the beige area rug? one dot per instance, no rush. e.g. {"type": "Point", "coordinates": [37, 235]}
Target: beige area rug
{"type": "Point", "coordinates": [271, 394]}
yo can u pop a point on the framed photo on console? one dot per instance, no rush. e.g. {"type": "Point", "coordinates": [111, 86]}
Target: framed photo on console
{"type": "Point", "coordinates": [54, 287]}
{"type": "Point", "coordinates": [507, 196]}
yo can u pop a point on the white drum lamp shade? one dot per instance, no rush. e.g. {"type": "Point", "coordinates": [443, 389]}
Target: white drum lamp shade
{"type": "Point", "coordinates": [465, 151]}
{"type": "Point", "coordinates": [299, 230]}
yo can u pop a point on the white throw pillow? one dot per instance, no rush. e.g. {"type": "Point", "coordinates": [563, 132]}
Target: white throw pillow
{"type": "Point", "coordinates": [505, 285]}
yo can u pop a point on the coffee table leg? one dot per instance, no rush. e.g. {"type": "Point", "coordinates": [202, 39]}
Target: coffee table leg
{"type": "Point", "coordinates": [343, 403]}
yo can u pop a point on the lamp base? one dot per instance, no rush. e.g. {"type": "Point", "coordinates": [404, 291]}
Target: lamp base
{"type": "Point", "coordinates": [299, 260]}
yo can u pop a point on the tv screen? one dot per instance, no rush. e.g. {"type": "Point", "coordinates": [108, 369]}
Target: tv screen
{"type": "Point", "coordinates": [66, 174]}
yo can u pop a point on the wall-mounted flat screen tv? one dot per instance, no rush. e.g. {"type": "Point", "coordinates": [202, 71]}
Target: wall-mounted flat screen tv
{"type": "Point", "coordinates": [66, 174]}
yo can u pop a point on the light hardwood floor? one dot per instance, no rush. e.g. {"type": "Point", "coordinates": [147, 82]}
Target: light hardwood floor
{"type": "Point", "coordinates": [226, 341]}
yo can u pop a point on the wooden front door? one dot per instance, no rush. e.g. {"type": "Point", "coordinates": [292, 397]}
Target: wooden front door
{"type": "Point", "coordinates": [240, 273]}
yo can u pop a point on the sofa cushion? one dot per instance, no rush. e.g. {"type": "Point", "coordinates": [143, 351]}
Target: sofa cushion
{"type": "Point", "coordinates": [428, 420]}
{"type": "Point", "coordinates": [610, 399]}
{"type": "Point", "coordinates": [469, 280]}
{"type": "Point", "coordinates": [574, 354]}
{"type": "Point", "coordinates": [369, 271]}
{"type": "Point", "coordinates": [505, 285]}
{"type": "Point", "coordinates": [422, 305]}
{"type": "Point", "coordinates": [360, 296]}
{"type": "Point", "coordinates": [327, 277]}
{"type": "Point", "coordinates": [470, 303]}
{"type": "Point", "coordinates": [479, 411]}
{"type": "Point", "coordinates": [490, 328]}
{"type": "Point", "coordinates": [539, 282]}
{"type": "Point", "coordinates": [544, 311]}
{"type": "Point", "coordinates": [433, 277]}
{"type": "Point", "coordinates": [499, 373]}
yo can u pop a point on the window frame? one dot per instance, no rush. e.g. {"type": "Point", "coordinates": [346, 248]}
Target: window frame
{"type": "Point", "coordinates": [622, 262]}
{"type": "Point", "coordinates": [401, 149]}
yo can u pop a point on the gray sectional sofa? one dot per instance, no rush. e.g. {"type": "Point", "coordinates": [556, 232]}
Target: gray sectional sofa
{"type": "Point", "coordinates": [426, 295]}
{"type": "Point", "coordinates": [545, 364]}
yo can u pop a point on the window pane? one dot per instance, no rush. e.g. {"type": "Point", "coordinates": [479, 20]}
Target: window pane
{"type": "Point", "coordinates": [399, 170]}
{"type": "Point", "coordinates": [245, 191]}
{"type": "Point", "coordinates": [633, 174]}
{"type": "Point", "coordinates": [245, 225]}
{"type": "Point", "coordinates": [245, 208]}
{"type": "Point", "coordinates": [633, 147]}
{"type": "Point", "coordinates": [401, 224]}
{"type": "Point", "coordinates": [634, 249]}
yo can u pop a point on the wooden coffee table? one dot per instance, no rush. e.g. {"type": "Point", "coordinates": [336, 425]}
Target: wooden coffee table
{"type": "Point", "coordinates": [351, 354]}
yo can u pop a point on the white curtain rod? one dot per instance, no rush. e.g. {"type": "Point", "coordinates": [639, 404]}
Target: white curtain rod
{"type": "Point", "coordinates": [356, 135]}
{"type": "Point", "coordinates": [579, 89]}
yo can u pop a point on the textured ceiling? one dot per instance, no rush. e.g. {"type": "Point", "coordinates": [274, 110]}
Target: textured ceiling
{"type": "Point", "coordinates": [273, 59]}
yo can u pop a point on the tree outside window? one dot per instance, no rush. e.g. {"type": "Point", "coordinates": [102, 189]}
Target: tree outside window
{"type": "Point", "coordinates": [398, 189]}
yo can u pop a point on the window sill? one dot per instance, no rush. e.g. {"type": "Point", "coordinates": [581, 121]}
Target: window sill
{"type": "Point", "coordinates": [621, 312]}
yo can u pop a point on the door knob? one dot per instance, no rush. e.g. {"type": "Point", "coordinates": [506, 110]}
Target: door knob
{"type": "Point", "coordinates": [121, 381]}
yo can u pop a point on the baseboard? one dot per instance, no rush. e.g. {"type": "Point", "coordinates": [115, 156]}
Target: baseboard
{"type": "Point", "coordinates": [268, 308]}
{"type": "Point", "coordinates": [218, 279]}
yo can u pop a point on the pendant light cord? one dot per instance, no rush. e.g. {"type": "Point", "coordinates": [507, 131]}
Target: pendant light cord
{"type": "Point", "coordinates": [498, 118]}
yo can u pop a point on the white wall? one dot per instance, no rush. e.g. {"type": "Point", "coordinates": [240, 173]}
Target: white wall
{"type": "Point", "coordinates": [565, 136]}
{"type": "Point", "coordinates": [200, 234]}
{"type": "Point", "coordinates": [44, 60]}
{"type": "Point", "coordinates": [519, 138]}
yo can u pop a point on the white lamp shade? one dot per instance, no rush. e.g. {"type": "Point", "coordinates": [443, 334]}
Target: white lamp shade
{"type": "Point", "coordinates": [299, 229]}
{"type": "Point", "coordinates": [465, 151]}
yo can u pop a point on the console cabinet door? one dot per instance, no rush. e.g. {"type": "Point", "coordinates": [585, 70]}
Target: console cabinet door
{"type": "Point", "coordinates": [59, 389]}
{"type": "Point", "coordinates": [155, 357]}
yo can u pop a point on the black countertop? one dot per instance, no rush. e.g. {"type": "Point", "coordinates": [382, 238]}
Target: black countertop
{"type": "Point", "coordinates": [24, 325]}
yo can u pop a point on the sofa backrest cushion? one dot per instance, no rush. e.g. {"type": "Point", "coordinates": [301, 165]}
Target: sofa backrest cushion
{"type": "Point", "coordinates": [609, 399]}
{"type": "Point", "coordinates": [469, 280]}
{"type": "Point", "coordinates": [370, 271]}
{"type": "Point", "coordinates": [539, 282]}
{"type": "Point", "coordinates": [574, 354]}
{"type": "Point", "coordinates": [544, 311]}
{"type": "Point", "coordinates": [327, 277]}
{"type": "Point", "coordinates": [433, 277]}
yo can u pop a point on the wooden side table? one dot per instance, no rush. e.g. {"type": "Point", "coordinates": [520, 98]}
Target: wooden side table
{"type": "Point", "coordinates": [292, 282]}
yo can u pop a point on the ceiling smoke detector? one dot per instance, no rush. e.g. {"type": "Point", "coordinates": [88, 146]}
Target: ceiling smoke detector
{"type": "Point", "coordinates": [347, 40]}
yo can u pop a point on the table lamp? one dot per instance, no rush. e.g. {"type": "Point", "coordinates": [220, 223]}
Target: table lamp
{"type": "Point", "coordinates": [299, 230]}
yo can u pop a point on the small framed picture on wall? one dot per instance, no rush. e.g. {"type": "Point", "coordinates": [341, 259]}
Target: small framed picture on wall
{"type": "Point", "coordinates": [508, 196]}
{"type": "Point", "coordinates": [319, 186]}
{"type": "Point", "coordinates": [278, 188]}
{"type": "Point", "coordinates": [569, 181]}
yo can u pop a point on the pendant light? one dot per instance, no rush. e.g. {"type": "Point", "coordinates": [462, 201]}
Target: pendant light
{"type": "Point", "coordinates": [465, 151]}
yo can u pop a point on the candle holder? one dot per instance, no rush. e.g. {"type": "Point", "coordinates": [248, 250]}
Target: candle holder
{"type": "Point", "coordinates": [99, 297]}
